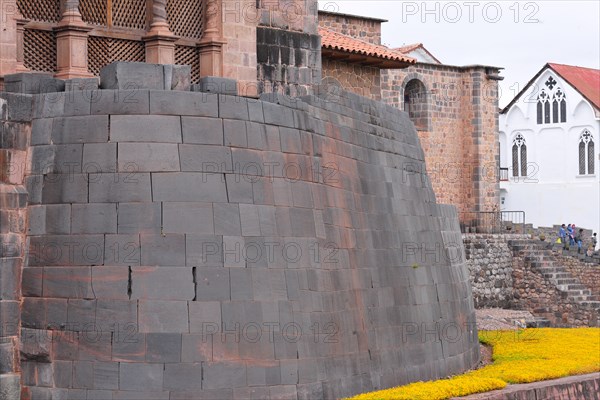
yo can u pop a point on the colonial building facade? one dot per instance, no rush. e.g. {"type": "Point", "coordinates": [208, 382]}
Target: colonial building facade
{"type": "Point", "coordinates": [550, 150]}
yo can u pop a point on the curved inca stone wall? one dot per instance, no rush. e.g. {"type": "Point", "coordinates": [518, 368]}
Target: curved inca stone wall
{"type": "Point", "coordinates": [191, 246]}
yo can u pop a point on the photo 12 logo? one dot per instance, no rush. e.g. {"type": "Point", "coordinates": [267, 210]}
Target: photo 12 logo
{"type": "Point", "coordinates": [469, 11]}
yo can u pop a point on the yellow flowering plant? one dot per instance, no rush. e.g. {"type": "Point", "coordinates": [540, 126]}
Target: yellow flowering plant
{"type": "Point", "coordinates": [518, 357]}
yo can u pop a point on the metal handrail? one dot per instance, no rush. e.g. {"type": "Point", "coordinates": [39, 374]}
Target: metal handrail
{"type": "Point", "coordinates": [507, 222]}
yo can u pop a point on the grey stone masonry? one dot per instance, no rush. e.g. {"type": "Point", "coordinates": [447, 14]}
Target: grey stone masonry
{"type": "Point", "coordinates": [204, 245]}
{"type": "Point", "coordinates": [15, 136]}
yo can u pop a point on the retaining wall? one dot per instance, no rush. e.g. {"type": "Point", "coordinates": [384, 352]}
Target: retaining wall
{"type": "Point", "coordinates": [189, 245]}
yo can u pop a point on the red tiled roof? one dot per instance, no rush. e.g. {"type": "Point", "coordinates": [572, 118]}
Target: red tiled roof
{"type": "Point", "coordinates": [585, 80]}
{"type": "Point", "coordinates": [409, 47]}
{"type": "Point", "coordinates": [337, 42]}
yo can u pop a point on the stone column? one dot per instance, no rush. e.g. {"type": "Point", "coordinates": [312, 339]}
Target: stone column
{"type": "Point", "coordinates": [211, 44]}
{"type": "Point", "coordinates": [71, 43]}
{"type": "Point", "coordinates": [8, 38]}
{"type": "Point", "coordinates": [160, 41]}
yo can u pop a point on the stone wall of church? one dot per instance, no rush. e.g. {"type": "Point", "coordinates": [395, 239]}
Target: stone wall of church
{"type": "Point", "coordinates": [287, 47]}
{"type": "Point", "coordinates": [361, 28]}
{"type": "Point", "coordinates": [362, 80]}
{"type": "Point", "coordinates": [460, 139]}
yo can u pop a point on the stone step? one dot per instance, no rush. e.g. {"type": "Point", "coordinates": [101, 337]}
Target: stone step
{"type": "Point", "coordinates": [555, 273]}
{"type": "Point", "coordinates": [563, 281]}
{"type": "Point", "coordinates": [543, 264]}
{"type": "Point", "coordinates": [576, 286]}
{"type": "Point", "coordinates": [578, 292]}
{"type": "Point", "coordinates": [538, 322]}
{"type": "Point", "coordinates": [591, 304]}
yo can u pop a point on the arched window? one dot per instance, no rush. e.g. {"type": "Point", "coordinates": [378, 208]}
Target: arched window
{"type": "Point", "coordinates": [559, 107]}
{"type": "Point", "coordinates": [519, 156]}
{"type": "Point", "coordinates": [543, 108]}
{"type": "Point", "coordinates": [551, 104]}
{"type": "Point", "coordinates": [415, 104]}
{"type": "Point", "coordinates": [586, 153]}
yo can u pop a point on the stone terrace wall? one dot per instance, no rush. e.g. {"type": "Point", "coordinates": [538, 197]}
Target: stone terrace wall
{"type": "Point", "coordinates": [188, 245]}
{"type": "Point", "coordinates": [587, 273]}
{"type": "Point", "coordinates": [534, 292]}
{"type": "Point", "coordinates": [489, 260]}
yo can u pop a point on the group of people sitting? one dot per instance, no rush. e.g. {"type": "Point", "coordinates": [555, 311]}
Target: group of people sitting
{"type": "Point", "coordinates": [569, 236]}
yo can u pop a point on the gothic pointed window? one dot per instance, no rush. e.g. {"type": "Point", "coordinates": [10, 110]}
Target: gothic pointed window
{"type": "Point", "coordinates": [543, 108]}
{"type": "Point", "coordinates": [586, 153]}
{"type": "Point", "coordinates": [551, 103]}
{"type": "Point", "coordinates": [519, 156]}
{"type": "Point", "coordinates": [591, 157]}
{"type": "Point", "coordinates": [561, 106]}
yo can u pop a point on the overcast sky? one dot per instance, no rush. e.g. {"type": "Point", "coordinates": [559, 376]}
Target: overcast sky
{"type": "Point", "coordinates": [519, 36]}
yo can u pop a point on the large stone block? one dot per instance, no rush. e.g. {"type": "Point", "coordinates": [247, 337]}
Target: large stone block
{"type": "Point", "coordinates": [201, 130]}
{"type": "Point", "coordinates": [162, 283]}
{"type": "Point", "coordinates": [183, 377]}
{"type": "Point", "coordinates": [122, 250]}
{"type": "Point", "coordinates": [148, 157]}
{"type": "Point", "coordinates": [204, 250]}
{"type": "Point", "coordinates": [187, 186]}
{"type": "Point", "coordinates": [203, 158]}
{"type": "Point", "coordinates": [122, 187]}
{"type": "Point", "coordinates": [94, 218]}
{"type": "Point", "coordinates": [132, 75]}
{"type": "Point", "coordinates": [66, 250]}
{"type": "Point", "coordinates": [64, 188]}
{"type": "Point", "coordinates": [227, 219]}
{"type": "Point", "coordinates": [163, 250]}
{"type": "Point", "coordinates": [189, 217]}
{"type": "Point", "coordinates": [212, 284]}
{"type": "Point", "coordinates": [119, 102]}
{"type": "Point", "coordinates": [139, 218]}
{"type": "Point", "coordinates": [224, 375]}
{"type": "Point", "coordinates": [177, 77]}
{"type": "Point", "coordinates": [70, 282]}
{"type": "Point", "coordinates": [177, 103]}
{"type": "Point", "coordinates": [52, 219]}
{"type": "Point", "coordinates": [10, 278]}
{"type": "Point", "coordinates": [163, 348]}
{"type": "Point", "coordinates": [140, 376]}
{"type": "Point", "coordinates": [121, 75]}
{"type": "Point", "coordinates": [233, 107]}
{"type": "Point", "coordinates": [82, 129]}
{"type": "Point", "coordinates": [160, 316]}
{"type": "Point", "coordinates": [150, 128]}
{"type": "Point", "coordinates": [106, 376]}
{"type": "Point", "coordinates": [99, 157]}
{"type": "Point", "coordinates": [32, 83]}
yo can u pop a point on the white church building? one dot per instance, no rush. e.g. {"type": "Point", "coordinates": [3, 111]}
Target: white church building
{"type": "Point", "coordinates": [550, 148]}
